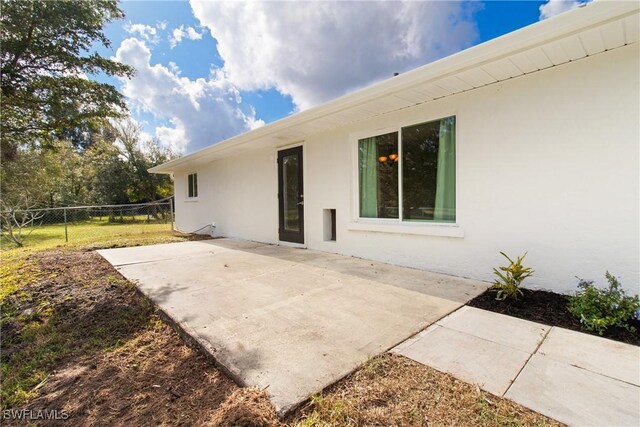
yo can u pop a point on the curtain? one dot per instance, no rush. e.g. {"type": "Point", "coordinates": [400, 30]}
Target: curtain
{"type": "Point", "coordinates": [368, 178]}
{"type": "Point", "coordinates": [445, 206]}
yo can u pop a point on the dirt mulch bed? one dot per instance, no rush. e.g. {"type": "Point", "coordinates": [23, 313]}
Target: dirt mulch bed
{"type": "Point", "coordinates": [551, 309]}
{"type": "Point", "coordinates": [154, 380]}
{"type": "Point", "coordinates": [391, 390]}
{"type": "Point", "coordinates": [115, 362]}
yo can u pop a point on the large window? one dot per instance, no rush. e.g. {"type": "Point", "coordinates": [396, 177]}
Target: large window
{"type": "Point", "coordinates": [417, 162]}
{"type": "Point", "coordinates": [193, 185]}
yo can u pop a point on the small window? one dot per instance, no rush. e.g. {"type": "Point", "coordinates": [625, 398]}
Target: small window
{"type": "Point", "coordinates": [426, 155]}
{"type": "Point", "coordinates": [193, 185]}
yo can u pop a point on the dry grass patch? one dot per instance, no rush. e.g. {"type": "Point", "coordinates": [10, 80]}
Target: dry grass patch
{"type": "Point", "coordinates": [154, 379]}
{"type": "Point", "coordinates": [391, 390]}
{"type": "Point", "coordinates": [246, 407]}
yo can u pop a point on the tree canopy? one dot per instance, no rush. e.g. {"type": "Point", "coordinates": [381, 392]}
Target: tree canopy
{"type": "Point", "coordinates": [112, 170]}
{"type": "Point", "coordinates": [48, 50]}
{"type": "Point", "coordinates": [64, 137]}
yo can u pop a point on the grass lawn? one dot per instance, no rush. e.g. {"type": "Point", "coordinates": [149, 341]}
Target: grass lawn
{"type": "Point", "coordinates": [76, 336]}
{"type": "Point", "coordinates": [95, 231]}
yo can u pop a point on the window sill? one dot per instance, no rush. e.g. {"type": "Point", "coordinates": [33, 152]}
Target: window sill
{"type": "Point", "coordinates": [421, 229]}
{"type": "Point", "coordinates": [191, 200]}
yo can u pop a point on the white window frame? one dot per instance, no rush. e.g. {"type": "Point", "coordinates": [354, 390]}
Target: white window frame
{"type": "Point", "coordinates": [397, 225]}
{"type": "Point", "coordinates": [189, 197]}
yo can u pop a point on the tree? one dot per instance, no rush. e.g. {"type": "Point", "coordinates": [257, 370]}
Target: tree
{"type": "Point", "coordinates": [108, 176]}
{"type": "Point", "coordinates": [17, 218]}
{"type": "Point", "coordinates": [49, 177]}
{"type": "Point", "coordinates": [141, 156]}
{"type": "Point", "coordinates": [118, 166]}
{"type": "Point", "coordinates": [47, 54]}
{"type": "Point", "coordinates": [112, 170]}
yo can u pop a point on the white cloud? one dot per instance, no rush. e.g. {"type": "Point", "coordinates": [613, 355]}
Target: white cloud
{"type": "Point", "coordinates": [174, 137]}
{"type": "Point", "coordinates": [146, 32]}
{"type": "Point", "coordinates": [556, 7]}
{"type": "Point", "coordinates": [175, 69]}
{"type": "Point", "coordinates": [201, 111]}
{"type": "Point", "coordinates": [183, 32]}
{"type": "Point", "coordinates": [315, 51]}
{"type": "Point", "coordinates": [131, 122]}
{"type": "Point", "coordinates": [256, 123]}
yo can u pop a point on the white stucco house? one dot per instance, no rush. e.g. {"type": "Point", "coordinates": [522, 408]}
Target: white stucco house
{"type": "Point", "coordinates": [528, 142]}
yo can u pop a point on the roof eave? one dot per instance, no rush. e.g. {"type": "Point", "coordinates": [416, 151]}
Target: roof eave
{"type": "Point", "coordinates": [590, 15]}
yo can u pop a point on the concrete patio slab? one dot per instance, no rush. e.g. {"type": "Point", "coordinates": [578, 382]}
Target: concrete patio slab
{"type": "Point", "coordinates": [291, 321]}
{"type": "Point", "coordinates": [490, 365]}
{"type": "Point", "coordinates": [594, 354]}
{"type": "Point", "coordinates": [575, 396]}
{"type": "Point", "coordinates": [505, 330]}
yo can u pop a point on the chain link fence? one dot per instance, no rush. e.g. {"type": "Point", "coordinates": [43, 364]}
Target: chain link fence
{"type": "Point", "coordinates": [85, 223]}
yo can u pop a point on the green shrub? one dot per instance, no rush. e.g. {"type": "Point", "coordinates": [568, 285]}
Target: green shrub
{"type": "Point", "coordinates": [599, 308]}
{"type": "Point", "coordinates": [507, 285]}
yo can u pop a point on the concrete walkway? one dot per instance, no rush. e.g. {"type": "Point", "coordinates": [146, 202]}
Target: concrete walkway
{"type": "Point", "coordinates": [291, 321]}
{"type": "Point", "coordinates": [573, 377]}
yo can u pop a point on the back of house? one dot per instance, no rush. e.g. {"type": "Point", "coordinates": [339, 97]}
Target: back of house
{"type": "Point", "coordinates": [526, 143]}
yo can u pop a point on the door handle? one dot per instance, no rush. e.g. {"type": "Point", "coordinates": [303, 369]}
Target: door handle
{"type": "Point", "coordinates": [301, 203]}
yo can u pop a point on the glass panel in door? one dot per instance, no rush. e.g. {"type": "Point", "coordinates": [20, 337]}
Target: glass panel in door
{"type": "Point", "coordinates": [291, 192]}
{"type": "Point", "coordinates": [290, 195]}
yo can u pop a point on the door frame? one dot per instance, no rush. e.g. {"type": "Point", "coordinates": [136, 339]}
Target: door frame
{"type": "Point", "coordinates": [293, 238]}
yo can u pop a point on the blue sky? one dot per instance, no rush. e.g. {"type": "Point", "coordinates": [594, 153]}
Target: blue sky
{"type": "Point", "coordinates": [207, 71]}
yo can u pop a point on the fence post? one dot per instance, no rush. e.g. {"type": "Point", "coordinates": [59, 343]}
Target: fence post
{"type": "Point", "coordinates": [66, 235]}
{"type": "Point", "coordinates": [171, 209]}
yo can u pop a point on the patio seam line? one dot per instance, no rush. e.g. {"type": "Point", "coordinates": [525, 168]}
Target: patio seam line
{"type": "Point", "coordinates": [149, 261]}
{"type": "Point", "coordinates": [528, 360]}
{"type": "Point", "coordinates": [141, 262]}
{"type": "Point", "coordinates": [415, 337]}
{"type": "Point", "coordinates": [588, 370]}
{"type": "Point", "coordinates": [577, 366]}
{"type": "Point", "coordinates": [480, 385]}
{"type": "Point", "coordinates": [485, 339]}
{"type": "Point", "coordinates": [491, 341]}
{"type": "Point", "coordinates": [459, 309]}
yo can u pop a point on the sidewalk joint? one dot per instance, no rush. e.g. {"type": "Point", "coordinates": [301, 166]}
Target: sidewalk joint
{"type": "Point", "coordinates": [527, 362]}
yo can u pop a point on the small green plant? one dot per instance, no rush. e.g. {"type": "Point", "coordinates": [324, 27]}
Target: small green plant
{"type": "Point", "coordinates": [507, 285]}
{"type": "Point", "coordinates": [600, 308]}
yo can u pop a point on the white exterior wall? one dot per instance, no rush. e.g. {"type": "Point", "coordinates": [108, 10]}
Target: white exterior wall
{"type": "Point", "coordinates": [546, 163]}
{"type": "Point", "coordinates": [238, 193]}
